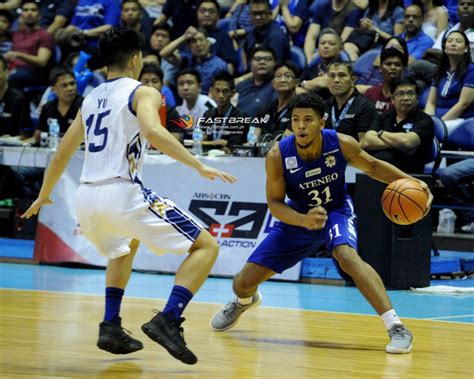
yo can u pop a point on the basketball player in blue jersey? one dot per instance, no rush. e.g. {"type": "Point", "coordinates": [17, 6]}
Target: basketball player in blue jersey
{"type": "Point", "coordinates": [116, 211]}
{"type": "Point", "coordinates": [309, 168]}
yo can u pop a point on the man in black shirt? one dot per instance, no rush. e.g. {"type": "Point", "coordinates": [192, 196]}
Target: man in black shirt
{"type": "Point", "coordinates": [348, 111]}
{"type": "Point", "coordinates": [221, 125]}
{"type": "Point", "coordinates": [404, 135]}
{"type": "Point", "coordinates": [64, 108]}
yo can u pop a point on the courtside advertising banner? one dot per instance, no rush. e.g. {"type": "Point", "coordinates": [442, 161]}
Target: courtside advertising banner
{"type": "Point", "coordinates": [236, 215]}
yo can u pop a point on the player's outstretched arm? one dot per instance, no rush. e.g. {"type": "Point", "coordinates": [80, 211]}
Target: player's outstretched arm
{"type": "Point", "coordinates": [68, 146]}
{"type": "Point", "coordinates": [315, 219]}
{"type": "Point", "coordinates": [146, 102]}
{"type": "Point", "coordinates": [375, 168]}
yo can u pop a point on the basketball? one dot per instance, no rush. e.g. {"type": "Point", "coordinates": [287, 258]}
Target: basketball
{"type": "Point", "coordinates": [404, 201]}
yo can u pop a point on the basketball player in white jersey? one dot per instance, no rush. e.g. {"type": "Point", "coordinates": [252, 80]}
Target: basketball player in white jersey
{"type": "Point", "coordinates": [115, 211]}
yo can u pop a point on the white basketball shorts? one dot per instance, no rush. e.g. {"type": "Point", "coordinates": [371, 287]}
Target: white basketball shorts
{"type": "Point", "coordinates": [113, 212]}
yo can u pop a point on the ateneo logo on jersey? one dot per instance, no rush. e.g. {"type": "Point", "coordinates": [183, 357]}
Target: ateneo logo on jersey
{"type": "Point", "coordinates": [330, 161]}
{"type": "Point", "coordinates": [184, 122]}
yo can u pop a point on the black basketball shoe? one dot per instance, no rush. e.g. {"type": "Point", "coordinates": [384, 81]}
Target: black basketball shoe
{"type": "Point", "coordinates": [169, 334]}
{"type": "Point", "coordinates": [114, 339]}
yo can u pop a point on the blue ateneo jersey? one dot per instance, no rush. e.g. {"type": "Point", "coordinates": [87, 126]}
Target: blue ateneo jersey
{"type": "Point", "coordinates": [320, 182]}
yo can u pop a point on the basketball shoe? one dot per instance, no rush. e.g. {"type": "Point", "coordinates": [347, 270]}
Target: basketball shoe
{"type": "Point", "coordinates": [400, 340]}
{"type": "Point", "coordinates": [229, 314]}
{"type": "Point", "coordinates": [114, 339]}
{"type": "Point", "coordinates": [169, 334]}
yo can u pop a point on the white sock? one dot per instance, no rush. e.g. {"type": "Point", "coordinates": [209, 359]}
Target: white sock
{"type": "Point", "coordinates": [244, 300]}
{"type": "Point", "coordinates": [390, 319]}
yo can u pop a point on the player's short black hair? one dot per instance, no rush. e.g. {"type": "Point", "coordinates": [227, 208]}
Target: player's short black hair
{"type": "Point", "coordinates": [404, 81]}
{"type": "Point", "coordinates": [57, 72]}
{"type": "Point", "coordinates": [118, 45]}
{"type": "Point", "coordinates": [308, 100]}
{"type": "Point", "coordinates": [152, 68]}
{"type": "Point", "coordinates": [224, 76]}
{"type": "Point", "coordinates": [190, 71]}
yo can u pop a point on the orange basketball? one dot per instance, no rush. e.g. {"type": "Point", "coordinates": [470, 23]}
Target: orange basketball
{"type": "Point", "coordinates": [404, 201]}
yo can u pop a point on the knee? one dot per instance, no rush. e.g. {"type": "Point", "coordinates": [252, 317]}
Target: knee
{"type": "Point", "coordinates": [347, 258]}
{"type": "Point", "coordinates": [207, 242]}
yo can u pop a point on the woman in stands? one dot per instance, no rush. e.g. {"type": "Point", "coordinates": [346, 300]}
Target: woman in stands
{"type": "Point", "coordinates": [452, 92]}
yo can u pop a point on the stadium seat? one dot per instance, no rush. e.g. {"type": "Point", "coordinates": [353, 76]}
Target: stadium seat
{"type": "Point", "coordinates": [298, 57]}
{"type": "Point", "coordinates": [462, 136]}
{"type": "Point", "coordinates": [424, 97]}
{"type": "Point", "coordinates": [440, 130]}
{"type": "Point", "coordinates": [365, 61]}
{"type": "Point", "coordinates": [435, 157]}
{"type": "Point", "coordinates": [223, 24]}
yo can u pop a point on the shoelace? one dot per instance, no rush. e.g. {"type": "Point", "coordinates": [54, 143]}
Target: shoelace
{"type": "Point", "coordinates": [399, 332]}
{"type": "Point", "coordinates": [229, 308]}
{"type": "Point", "coordinates": [177, 330]}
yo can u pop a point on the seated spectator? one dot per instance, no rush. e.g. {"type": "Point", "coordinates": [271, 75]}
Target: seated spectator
{"type": "Point", "coordinates": [452, 93]}
{"type": "Point", "coordinates": [133, 17]}
{"type": "Point", "coordinates": [152, 76]}
{"type": "Point", "coordinates": [293, 16]}
{"type": "Point", "coordinates": [285, 79]}
{"type": "Point", "coordinates": [55, 14]}
{"type": "Point", "coordinates": [154, 8]}
{"type": "Point", "coordinates": [182, 15]}
{"type": "Point", "coordinates": [241, 22]}
{"type": "Point", "coordinates": [194, 104]}
{"type": "Point", "coordinates": [404, 135]}
{"type": "Point", "coordinates": [435, 18]}
{"type": "Point", "coordinates": [465, 25]}
{"type": "Point", "coordinates": [14, 108]}
{"type": "Point", "coordinates": [256, 93]}
{"type": "Point", "coordinates": [457, 181]}
{"type": "Point", "coordinates": [201, 59]}
{"type": "Point", "coordinates": [266, 32]}
{"type": "Point", "coordinates": [381, 21]}
{"type": "Point", "coordinates": [66, 104]}
{"type": "Point", "coordinates": [417, 40]}
{"type": "Point", "coordinates": [342, 16]}
{"type": "Point", "coordinates": [160, 37]}
{"type": "Point", "coordinates": [314, 77]}
{"type": "Point", "coordinates": [349, 112]}
{"type": "Point", "coordinates": [223, 134]}
{"type": "Point", "coordinates": [10, 5]}
{"type": "Point", "coordinates": [32, 48]}
{"type": "Point", "coordinates": [393, 64]}
{"type": "Point", "coordinates": [207, 15]}
{"type": "Point", "coordinates": [5, 37]}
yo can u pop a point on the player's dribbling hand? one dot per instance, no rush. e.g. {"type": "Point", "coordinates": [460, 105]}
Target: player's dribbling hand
{"type": "Point", "coordinates": [35, 207]}
{"type": "Point", "coordinates": [212, 173]}
{"type": "Point", "coordinates": [315, 219]}
{"type": "Point", "coordinates": [425, 188]}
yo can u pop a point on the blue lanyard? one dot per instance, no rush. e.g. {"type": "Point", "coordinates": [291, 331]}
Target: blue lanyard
{"type": "Point", "coordinates": [335, 123]}
{"type": "Point", "coordinates": [217, 134]}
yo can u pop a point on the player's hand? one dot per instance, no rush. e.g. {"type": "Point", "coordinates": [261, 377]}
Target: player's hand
{"type": "Point", "coordinates": [425, 188]}
{"type": "Point", "coordinates": [315, 219]}
{"type": "Point", "coordinates": [35, 207]}
{"type": "Point", "coordinates": [212, 173]}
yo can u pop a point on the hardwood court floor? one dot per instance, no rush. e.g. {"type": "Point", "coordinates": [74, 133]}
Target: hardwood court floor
{"type": "Point", "coordinates": [51, 334]}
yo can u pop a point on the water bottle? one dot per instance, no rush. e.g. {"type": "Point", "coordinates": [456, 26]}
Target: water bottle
{"type": "Point", "coordinates": [252, 136]}
{"type": "Point", "coordinates": [197, 141]}
{"type": "Point", "coordinates": [53, 141]}
{"type": "Point", "coordinates": [447, 219]}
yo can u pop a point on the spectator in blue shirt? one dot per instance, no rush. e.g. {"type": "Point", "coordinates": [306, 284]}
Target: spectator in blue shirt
{"type": "Point", "coordinates": [266, 32]}
{"type": "Point", "coordinates": [292, 16]}
{"type": "Point", "coordinates": [55, 14]}
{"type": "Point", "coordinates": [342, 16]}
{"type": "Point", "coordinates": [241, 22]}
{"type": "Point", "coordinates": [201, 59]}
{"type": "Point", "coordinates": [417, 41]}
{"type": "Point", "coordinates": [132, 16]}
{"type": "Point", "coordinates": [451, 96]}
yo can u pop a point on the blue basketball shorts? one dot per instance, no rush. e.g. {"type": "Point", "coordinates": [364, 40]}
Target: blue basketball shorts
{"type": "Point", "coordinates": [286, 244]}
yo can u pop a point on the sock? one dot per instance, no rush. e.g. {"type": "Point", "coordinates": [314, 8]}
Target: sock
{"type": "Point", "coordinates": [113, 300]}
{"type": "Point", "coordinates": [177, 302]}
{"type": "Point", "coordinates": [244, 300]}
{"type": "Point", "coordinates": [390, 319]}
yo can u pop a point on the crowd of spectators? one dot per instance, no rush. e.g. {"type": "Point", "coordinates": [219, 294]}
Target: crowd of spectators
{"type": "Point", "coordinates": [215, 59]}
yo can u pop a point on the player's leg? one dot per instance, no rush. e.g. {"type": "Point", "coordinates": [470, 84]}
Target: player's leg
{"type": "Point", "coordinates": [342, 241]}
{"type": "Point", "coordinates": [112, 337]}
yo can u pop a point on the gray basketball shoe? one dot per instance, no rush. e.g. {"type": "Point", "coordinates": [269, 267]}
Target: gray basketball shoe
{"type": "Point", "coordinates": [229, 314]}
{"type": "Point", "coordinates": [400, 340]}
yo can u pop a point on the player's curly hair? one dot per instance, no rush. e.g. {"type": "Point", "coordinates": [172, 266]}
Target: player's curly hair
{"type": "Point", "coordinates": [118, 45]}
{"type": "Point", "coordinates": [308, 100]}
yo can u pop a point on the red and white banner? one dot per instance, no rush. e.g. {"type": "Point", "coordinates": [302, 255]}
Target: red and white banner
{"type": "Point", "coordinates": [236, 214]}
